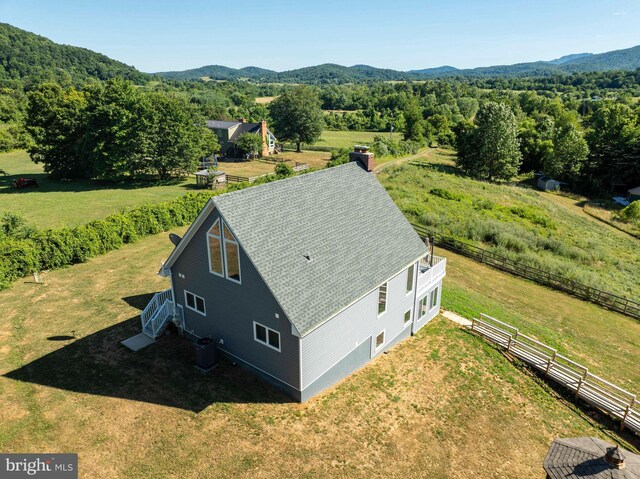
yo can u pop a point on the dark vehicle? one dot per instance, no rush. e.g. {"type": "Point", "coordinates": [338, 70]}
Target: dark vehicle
{"type": "Point", "coordinates": [24, 182]}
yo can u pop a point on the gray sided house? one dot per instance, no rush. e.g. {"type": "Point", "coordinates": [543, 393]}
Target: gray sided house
{"type": "Point", "coordinates": [229, 131]}
{"type": "Point", "coordinates": [303, 280]}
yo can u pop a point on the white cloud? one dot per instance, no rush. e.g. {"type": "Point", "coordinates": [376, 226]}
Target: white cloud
{"type": "Point", "coordinates": [619, 14]}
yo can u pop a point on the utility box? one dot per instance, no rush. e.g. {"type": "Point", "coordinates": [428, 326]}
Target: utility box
{"type": "Point", "coordinates": [206, 354]}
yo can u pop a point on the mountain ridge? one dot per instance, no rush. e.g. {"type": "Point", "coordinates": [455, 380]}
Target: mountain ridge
{"type": "Point", "coordinates": [625, 59]}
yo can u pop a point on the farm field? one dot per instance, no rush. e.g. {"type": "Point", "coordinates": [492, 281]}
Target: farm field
{"type": "Point", "coordinates": [443, 404]}
{"type": "Point", "coordinates": [519, 222]}
{"type": "Point", "coordinates": [346, 139]}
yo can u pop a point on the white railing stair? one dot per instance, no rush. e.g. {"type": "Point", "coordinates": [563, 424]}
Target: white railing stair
{"type": "Point", "coordinates": [157, 315]}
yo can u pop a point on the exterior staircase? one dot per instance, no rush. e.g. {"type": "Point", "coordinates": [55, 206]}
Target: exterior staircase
{"type": "Point", "coordinates": [159, 313]}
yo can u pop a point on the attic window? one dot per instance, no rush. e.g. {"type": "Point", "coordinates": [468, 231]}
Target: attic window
{"type": "Point", "coordinates": [224, 252]}
{"type": "Point", "coordinates": [215, 249]}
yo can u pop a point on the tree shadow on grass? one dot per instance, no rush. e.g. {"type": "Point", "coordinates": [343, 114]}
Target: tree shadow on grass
{"type": "Point", "coordinates": [162, 373]}
{"type": "Point", "coordinates": [46, 184]}
{"type": "Point", "coordinates": [442, 168]}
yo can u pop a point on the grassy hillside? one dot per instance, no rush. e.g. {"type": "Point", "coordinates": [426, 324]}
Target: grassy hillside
{"type": "Point", "coordinates": [521, 223]}
{"type": "Point", "coordinates": [443, 404]}
{"type": "Point", "coordinates": [581, 330]}
{"type": "Point", "coordinates": [27, 56]}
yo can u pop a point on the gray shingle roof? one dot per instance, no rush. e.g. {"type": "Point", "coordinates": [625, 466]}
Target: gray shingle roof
{"type": "Point", "coordinates": [245, 128]}
{"type": "Point", "coordinates": [583, 458]}
{"type": "Point", "coordinates": [219, 124]}
{"type": "Point", "coordinates": [342, 218]}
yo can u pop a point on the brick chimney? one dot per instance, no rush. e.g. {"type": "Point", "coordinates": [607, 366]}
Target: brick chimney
{"type": "Point", "coordinates": [363, 156]}
{"type": "Point", "coordinates": [263, 135]}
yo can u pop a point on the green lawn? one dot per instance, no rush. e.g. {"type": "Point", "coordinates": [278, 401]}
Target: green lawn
{"type": "Point", "coordinates": [346, 139]}
{"type": "Point", "coordinates": [443, 404]}
{"type": "Point", "coordinates": [516, 221]}
{"type": "Point", "coordinates": [67, 203]}
{"type": "Point", "coordinates": [607, 343]}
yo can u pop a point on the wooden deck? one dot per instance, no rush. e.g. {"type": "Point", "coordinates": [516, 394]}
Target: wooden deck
{"type": "Point", "coordinates": [607, 397]}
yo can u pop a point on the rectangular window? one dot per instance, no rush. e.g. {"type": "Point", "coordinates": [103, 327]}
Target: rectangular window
{"type": "Point", "coordinates": [410, 279]}
{"type": "Point", "coordinates": [434, 298]}
{"type": "Point", "coordinates": [382, 299]}
{"type": "Point", "coordinates": [266, 336]}
{"type": "Point", "coordinates": [195, 303]}
{"type": "Point", "coordinates": [423, 307]}
{"type": "Point", "coordinates": [407, 317]}
{"type": "Point", "coordinates": [379, 340]}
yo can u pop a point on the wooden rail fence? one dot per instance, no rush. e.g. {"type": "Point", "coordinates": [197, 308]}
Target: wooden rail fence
{"type": "Point", "coordinates": [602, 298]}
{"type": "Point", "coordinates": [240, 179]}
{"type": "Point", "coordinates": [607, 397]}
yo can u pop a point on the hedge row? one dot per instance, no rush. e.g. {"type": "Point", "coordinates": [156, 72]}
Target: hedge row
{"type": "Point", "coordinates": [51, 249]}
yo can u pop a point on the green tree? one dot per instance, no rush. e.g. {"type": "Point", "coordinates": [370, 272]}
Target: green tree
{"type": "Point", "coordinates": [116, 129]}
{"type": "Point", "coordinates": [415, 125]}
{"type": "Point", "coordinates": [490, 150]}
{"type": "Point", "coordinates": [570, 152]}
{"type": "Point", "coordinates": [296, 116]}
{"type": "Point", "coordinates": [614, 144]}
{"type": "Point", "coordinates": [55, 122]}
{"type": "Point", "coordinates": [177, 136]}
{"type": "Point", "coordinates": [250, 143]}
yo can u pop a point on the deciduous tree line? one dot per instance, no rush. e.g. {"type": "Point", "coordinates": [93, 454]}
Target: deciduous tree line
{"type": "Point", "coordinates": [112, 130]}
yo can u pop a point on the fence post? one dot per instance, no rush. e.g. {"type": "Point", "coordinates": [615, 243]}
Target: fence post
{"type": "Point", "coordinates": [624, 418]}
{"type": "Point", "coordinates": [549, 361]}
{"type": "Point", "coordinates": [509, 343]}
{"type": "Point", "coordinates": [578, 388]}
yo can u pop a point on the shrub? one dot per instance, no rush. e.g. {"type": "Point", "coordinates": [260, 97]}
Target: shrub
{"type": "Point", "coordinates": [339, 157]}
{"type": "Point", "coordinates": [283, 170]}
{"type": "Point", "coordinates": [26, 249]}
{"type": "Point", "coordinates": [631, 213]}
{"type": "Point", "coordinates": [446, 194]}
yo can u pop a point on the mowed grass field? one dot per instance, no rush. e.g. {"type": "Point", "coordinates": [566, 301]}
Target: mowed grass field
{"type": "Point", "coordinates": [442, 404]}
{"type": "Point", "coordinates": [522, 223]}
{"type": "Point", "coordinates": [55, 204]}
{"type": "Point", "coordinates": [347, 139]}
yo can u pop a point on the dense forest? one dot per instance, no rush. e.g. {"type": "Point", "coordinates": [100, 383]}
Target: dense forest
{"type": "Point", "coordinates": [582, 128]}
{"type": "Point", "coordinates": [34, 59]}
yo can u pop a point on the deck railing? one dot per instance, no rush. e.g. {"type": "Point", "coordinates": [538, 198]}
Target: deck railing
{"type": "Point", "coordinates": [427, 273]}
{"type": "Point", "coordinates": [606, 396]}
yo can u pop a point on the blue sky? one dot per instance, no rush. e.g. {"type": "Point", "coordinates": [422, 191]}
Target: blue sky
{"type": "Point", "coordinates": [278, 34]}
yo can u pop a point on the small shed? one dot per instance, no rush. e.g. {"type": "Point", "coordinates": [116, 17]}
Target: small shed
{"type": "Point", "coordinates": [548, 184]}
{"type": "Point", "coordinates": [633, 194]}
{"type": "Point", "coordinates": [205, 178]}
{"type": "Point", "coordinates": [590, 458]}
